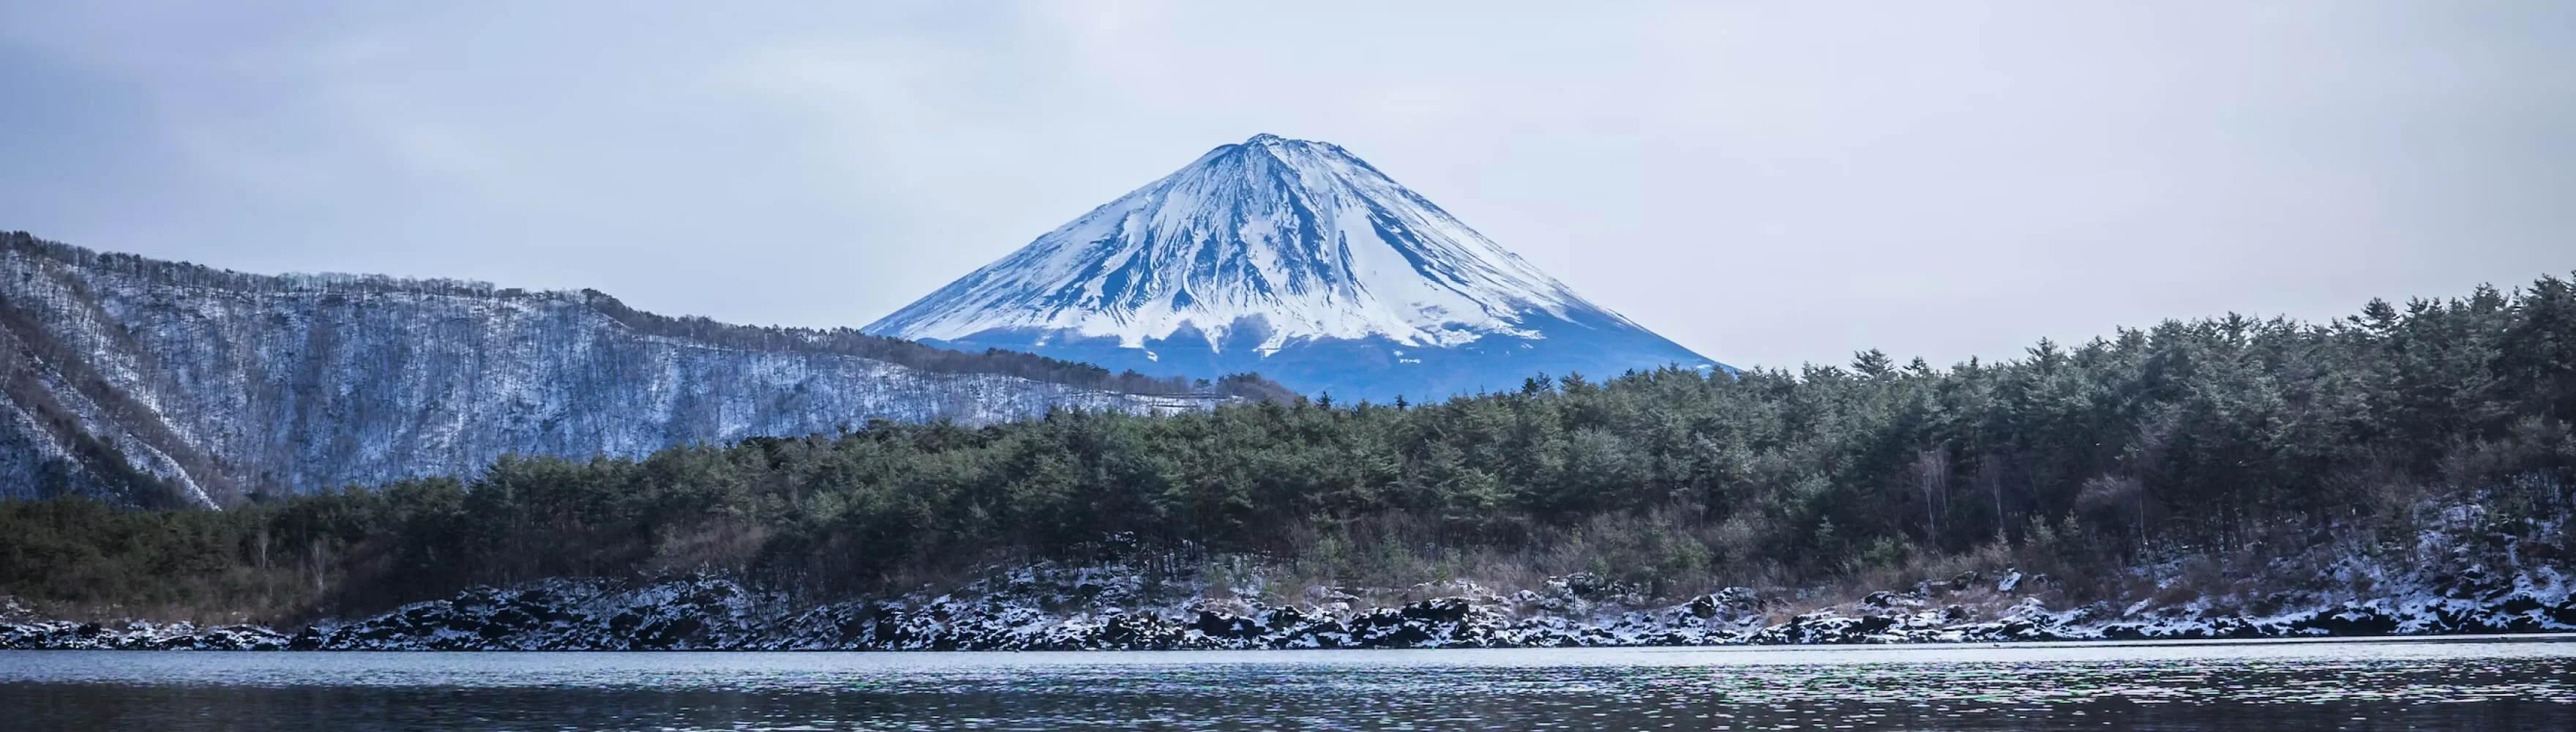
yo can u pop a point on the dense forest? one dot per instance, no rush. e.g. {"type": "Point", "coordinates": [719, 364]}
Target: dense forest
{"type": "Point", "coordinates": [2231, 434]}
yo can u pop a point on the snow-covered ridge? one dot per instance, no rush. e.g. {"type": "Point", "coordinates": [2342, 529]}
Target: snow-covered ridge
{"type": "Point", "coordinates": [1301, 236]}
{"type": "Point", "coordinates": [216, 384]}
{"type": "Point", "coordinates": [1273, 245]}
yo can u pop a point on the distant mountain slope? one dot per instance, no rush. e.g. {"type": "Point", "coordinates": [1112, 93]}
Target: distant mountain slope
{"type": "Point", "coordinates": [1295, 259]}
{"type": "Point", "coordinates": [159, 383]}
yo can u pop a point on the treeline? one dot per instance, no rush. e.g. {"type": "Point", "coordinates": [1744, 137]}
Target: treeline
{"type": "Point", "coordinates": [195, 275]}
{"type": "Point", "coordinates": [841, 341]}
{"type": "Point", "coordinates": [851, 342]}
{"type": "Point", "coordinates": [2225, 435]}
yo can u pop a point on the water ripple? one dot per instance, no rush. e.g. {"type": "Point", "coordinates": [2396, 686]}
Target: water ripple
{"type": "Point", "coordinates": [2346, 685]}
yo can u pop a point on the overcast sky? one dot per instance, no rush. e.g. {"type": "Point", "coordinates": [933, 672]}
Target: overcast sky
{"type": "Point", "coordinates": [1766, 183]}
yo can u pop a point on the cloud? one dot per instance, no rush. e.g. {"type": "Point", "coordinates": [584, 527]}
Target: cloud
{"type": "Point", "coordinates": [1768, 184]}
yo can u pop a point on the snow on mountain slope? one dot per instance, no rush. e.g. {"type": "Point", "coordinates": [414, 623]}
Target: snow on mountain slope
{"type": "Point", "coordinates": [210, 384]}
{"type": "Point", "coordinates": [1295, 259]}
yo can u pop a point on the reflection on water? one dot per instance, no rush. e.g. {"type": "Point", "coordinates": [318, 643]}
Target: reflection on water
{"type": "Point", "coordinates": [2528, 684]}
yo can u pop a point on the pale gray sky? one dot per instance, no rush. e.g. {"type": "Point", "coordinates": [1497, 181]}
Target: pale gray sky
{"type": "Point", "coordinates": [1767, 183]}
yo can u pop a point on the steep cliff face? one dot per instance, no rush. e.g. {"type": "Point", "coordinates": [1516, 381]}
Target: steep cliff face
{"type": "Point", "coordinates": [158, 383]}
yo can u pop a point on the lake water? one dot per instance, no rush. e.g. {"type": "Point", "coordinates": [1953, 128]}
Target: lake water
{"type": "Point", "coordinates": [2527, 683]}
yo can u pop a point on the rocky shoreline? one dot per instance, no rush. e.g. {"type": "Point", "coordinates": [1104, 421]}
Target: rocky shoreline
{"type": "Point", "coordinates": [1112, 607]}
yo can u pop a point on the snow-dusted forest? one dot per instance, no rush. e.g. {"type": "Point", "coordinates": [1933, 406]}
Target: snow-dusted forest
{"type": "Point", "coordinates": [160, 383]}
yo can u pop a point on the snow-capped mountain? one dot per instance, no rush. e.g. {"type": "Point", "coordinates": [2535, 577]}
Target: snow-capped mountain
{"type": "Point", "coordinates": [1295, 259]}
{"type": "Point", "coordinates": [164, 383]}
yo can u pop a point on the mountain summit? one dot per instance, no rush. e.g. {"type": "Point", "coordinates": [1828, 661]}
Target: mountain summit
{"type": "Point", "coordinates": [1296, 259]}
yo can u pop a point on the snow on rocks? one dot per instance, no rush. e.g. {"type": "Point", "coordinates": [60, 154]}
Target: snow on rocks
{"type": "Point", "coordinates": [1115, 607]}
{"type": "Point", "coordinates": [2433, 588]}
{"type": "Point", "coordinates": [137, 636]}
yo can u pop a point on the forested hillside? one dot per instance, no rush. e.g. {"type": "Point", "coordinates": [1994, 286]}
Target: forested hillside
{"type": "Point", "coordinates": [157, 383]}
{"type": "Point", "coordinates": [2228, 435]}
